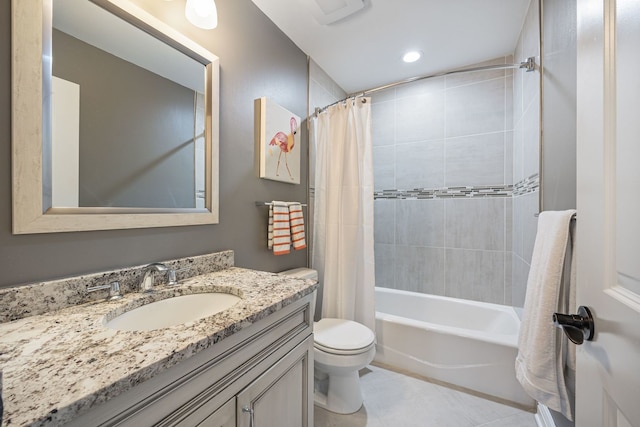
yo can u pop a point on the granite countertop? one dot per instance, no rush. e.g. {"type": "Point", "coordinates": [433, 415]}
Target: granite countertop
{"type": "Point", "coordinates": [53, 363]}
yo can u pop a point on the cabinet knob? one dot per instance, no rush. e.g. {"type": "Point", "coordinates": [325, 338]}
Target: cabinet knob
{"type": "Point", "coordinates": [247, 410]}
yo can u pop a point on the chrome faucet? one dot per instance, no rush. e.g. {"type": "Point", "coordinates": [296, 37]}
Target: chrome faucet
{"type": "Point", "coordinates": [146, 285]}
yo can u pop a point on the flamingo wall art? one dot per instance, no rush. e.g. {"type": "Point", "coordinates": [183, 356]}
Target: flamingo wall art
{"type": "Point", "coordinates": [277, 142]}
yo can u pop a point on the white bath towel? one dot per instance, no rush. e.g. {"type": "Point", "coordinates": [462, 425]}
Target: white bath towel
{"type": "Point", "coordinates": [545, 360]}
{"type": "Point", "coordinates": [296, 221]}
{"type": "Point", "coordinates": [279, 219]}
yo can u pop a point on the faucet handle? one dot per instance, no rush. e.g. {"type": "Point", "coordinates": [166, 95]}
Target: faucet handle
{"type": "Point", "coordinates": [114, 290]}
{"type": "Point", "coordinates": [172, 276]}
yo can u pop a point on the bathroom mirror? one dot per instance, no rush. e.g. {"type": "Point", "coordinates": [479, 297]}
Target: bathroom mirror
{"type": "Point", "coordinates": [142, 153]}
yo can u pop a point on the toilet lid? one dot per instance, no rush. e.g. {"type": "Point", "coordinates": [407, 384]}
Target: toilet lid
{"type": "Point", "coordinates": [342, 335]}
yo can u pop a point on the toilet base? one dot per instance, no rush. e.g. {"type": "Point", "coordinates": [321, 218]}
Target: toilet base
{"type": "Point", "coordinates": [339, 393]}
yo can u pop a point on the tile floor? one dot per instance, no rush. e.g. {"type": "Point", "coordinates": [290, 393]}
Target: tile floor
{"type": "Point", "coordinates": [396, 400]}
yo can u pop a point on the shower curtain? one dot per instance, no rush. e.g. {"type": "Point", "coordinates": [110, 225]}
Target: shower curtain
{"type": "Point", "coordinates": [342, 250]}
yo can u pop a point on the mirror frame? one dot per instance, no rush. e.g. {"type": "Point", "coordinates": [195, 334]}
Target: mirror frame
{"type": "Point", "coordinates": [31, 24]}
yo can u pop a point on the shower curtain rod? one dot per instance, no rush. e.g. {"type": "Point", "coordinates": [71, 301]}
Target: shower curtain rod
{"type": "Point", "coordinates": [529, 65]}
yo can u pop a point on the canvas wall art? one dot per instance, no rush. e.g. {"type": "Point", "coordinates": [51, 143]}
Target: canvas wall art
{"type": "Point", "coordinates": [277, 133]}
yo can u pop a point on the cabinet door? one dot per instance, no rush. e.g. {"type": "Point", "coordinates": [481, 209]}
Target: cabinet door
{"type": "Point", "coordinates": [283, 395]}
{"type": "Point", "coordinates": [223, 417]}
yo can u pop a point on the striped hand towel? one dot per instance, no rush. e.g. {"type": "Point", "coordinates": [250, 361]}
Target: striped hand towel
{"type": "Point", "coordinates": [281, 228]}
{"type": "Point", "coordinates": [296, 221]}
{"type": "Point", "coordinates": [270, 228]}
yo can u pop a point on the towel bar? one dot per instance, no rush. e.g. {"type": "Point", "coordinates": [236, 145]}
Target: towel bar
{"type": "Point", "coordinates": [573, 218]}
{"type": "Point", "coordinates": [269, 204]}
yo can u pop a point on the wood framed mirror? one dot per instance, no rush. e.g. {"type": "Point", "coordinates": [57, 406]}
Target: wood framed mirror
{"type": "Point", "coordinates": [107, 191]}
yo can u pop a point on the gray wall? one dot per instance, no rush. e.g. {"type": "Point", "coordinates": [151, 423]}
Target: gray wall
{"type": "Point", "coordinates": [256, 60]}
{"type": "Point", "coordinates": [558, 178]}
{"type": "Point", "coordinates": [445, 132]}
{"type": "Point", "coordinates": [526, 154]}
{"type": "Point", "coordinates": [559, 105]}
{"type": "Point", "coordinates": [134, 151]}
{"type": "Point", "coordinates": [559, 114]}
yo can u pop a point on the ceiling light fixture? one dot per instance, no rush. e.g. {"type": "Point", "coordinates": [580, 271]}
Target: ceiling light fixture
{"type": "Point", "coordinates": [202, 13]}
{"type": "Point", "coordinates": [412, 56]}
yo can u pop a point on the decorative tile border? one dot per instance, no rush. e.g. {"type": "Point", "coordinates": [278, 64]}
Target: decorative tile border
{"type": "Point", "coordinates": [447, 192]}
{"type": "Point", "coordinates": [527, 185]}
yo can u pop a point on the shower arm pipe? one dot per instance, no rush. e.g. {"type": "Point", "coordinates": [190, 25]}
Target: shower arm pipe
{"type": "Point", "coordinates": [528, 65]}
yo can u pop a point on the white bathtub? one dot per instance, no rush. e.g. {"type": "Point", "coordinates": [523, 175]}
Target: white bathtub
{"type": "Point", "coordinates": [465, 343]}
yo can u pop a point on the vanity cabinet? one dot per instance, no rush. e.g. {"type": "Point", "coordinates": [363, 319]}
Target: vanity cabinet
{"type": "Point", "coordinates": [222, 417]}
{"type": "Point", "coordinates": [264, 372]}
{"type": "Point", "coordinates": [278, 397]}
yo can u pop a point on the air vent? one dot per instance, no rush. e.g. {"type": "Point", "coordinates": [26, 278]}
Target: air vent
{"type": "Point", "coordinates": [329, 11]}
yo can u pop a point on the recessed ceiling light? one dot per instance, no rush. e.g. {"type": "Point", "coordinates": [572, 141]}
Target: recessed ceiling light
{"type": "Point", "coordinates": [412, 56]}
{"type": "Point", "coordinates": [202, 13]}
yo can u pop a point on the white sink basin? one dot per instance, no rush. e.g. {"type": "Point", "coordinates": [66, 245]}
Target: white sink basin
{"type": "Point", "coordinates": [173, 311]}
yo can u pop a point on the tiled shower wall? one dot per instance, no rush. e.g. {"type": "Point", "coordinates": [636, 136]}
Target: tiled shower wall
{"type": "Point", "coordinates": [444, 134]}
{"type": "Point", "coordinates": [526, 154]}
{"type": "Point", "coordinates": [479, 131]}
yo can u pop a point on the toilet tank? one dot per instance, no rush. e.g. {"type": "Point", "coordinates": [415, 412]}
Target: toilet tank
{"type": "Point", "coordinates": [301, 273]}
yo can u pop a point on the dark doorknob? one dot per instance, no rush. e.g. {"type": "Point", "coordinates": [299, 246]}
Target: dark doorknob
{"type": "Point", "coordinates": [577, 327]}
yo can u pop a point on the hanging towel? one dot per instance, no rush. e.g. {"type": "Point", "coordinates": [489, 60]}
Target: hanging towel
{"type": "Point", "coordinates": [270, 228]}
{"type": "Point", "coordinates": [543, 352]}
{"type": "Point", "coordinates": [281, 227]}
{"type": "Point", "coordinates": [296, 221]}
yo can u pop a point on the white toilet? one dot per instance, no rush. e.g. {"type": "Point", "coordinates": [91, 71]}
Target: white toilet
{"type": "Point", "coordinates": [341, 349]}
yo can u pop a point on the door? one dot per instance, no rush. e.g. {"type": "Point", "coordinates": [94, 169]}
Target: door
{"type": "Point", "coordinates": [608, 220]}
{"type": "Point", "coordinates": [282, 396]}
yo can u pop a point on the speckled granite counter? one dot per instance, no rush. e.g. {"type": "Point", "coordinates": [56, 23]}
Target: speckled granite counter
{"type": "Point", "coordinates": [53, 363]}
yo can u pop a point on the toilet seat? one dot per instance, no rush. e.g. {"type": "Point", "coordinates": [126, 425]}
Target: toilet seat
{"type": "Point", "coordinates": [342, 337]}
{"type": "Point", "coordinates": [343, 352]}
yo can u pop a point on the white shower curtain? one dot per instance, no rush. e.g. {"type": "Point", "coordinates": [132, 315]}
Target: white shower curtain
{"type": "Point", "coordinates": [342, 249]}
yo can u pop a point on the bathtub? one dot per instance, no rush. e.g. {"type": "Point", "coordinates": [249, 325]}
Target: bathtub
{"type": "Point", "coordinates": [465, 343]}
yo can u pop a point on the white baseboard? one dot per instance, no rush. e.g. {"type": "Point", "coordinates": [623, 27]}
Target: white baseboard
{"type": "Point", "coordinates": [543, 417]}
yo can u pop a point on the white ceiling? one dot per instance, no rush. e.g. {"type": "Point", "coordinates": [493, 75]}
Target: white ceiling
{"type": "Point", "coordinates": [364, 50]}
